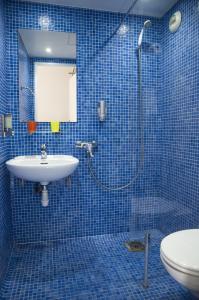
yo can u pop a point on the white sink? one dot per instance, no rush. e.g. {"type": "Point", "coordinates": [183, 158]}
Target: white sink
{"type": "Point", "coordinates": [33, 168]}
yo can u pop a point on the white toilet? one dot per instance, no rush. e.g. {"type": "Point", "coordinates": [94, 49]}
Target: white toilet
{"type": "Point", "coordinates": [179, 253]}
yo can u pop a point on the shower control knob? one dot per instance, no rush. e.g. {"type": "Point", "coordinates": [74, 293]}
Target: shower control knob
{"type": "Point", "coordinates": [88, 146]}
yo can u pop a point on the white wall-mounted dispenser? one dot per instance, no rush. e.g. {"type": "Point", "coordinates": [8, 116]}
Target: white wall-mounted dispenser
{"type": "Point", "coordinates": [6, 125]}
{"type": "Point", "coordinates": [102, 110]}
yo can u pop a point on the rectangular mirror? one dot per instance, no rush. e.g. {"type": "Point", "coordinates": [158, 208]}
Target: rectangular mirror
{"type": "Point", "coordinates": [47, 76]}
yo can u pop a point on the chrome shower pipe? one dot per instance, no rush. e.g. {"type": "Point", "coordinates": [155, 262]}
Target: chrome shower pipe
{"type": "Point", "coordinates": [140, 166]}
{"type": "Point", "coordinates": [141, 139]}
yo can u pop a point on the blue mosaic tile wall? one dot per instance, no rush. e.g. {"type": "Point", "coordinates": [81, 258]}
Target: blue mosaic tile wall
{"type": "Point", "coordinates": [107, 69]}
{"type": "Point", "coordinates": [180, 127]}
{"type": "Point", "coordinates": [5, 210]}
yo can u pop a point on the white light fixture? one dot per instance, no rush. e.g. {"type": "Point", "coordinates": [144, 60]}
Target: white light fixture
{"type": "Point", "coordinates": [44, 22]}
{"type": "Point", "coordinates": [175, 21]}
{"type": "Point", "coordinates": [123, 29]}
{"type": "Point", "coordinates": [48, 50]}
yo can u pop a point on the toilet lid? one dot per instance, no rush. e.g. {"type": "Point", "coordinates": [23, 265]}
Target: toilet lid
{"type": "Point", "coordinates": [182, 249]}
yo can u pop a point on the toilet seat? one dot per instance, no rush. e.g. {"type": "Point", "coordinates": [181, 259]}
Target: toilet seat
{"type": "Point", "coordinates": [181, 251]}
{"type": "Point", "coordinates": [177, 267]}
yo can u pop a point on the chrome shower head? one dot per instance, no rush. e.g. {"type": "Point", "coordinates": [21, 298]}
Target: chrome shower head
{"type": "Point", "coordinates": [147, 24]}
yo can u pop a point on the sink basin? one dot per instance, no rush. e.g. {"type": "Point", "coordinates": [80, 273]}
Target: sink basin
{"type": "Point", "coordinates": [33, 168]}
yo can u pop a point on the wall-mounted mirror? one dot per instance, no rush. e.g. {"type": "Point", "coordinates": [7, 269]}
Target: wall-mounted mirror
{"type": "Point", "coordinates": [47, 76]}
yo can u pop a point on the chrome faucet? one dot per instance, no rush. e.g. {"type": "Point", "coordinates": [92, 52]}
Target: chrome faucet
{"type": "Point", "coordinates": [43, 152]}
{"type": "Point", "coordinates": [88, 146]}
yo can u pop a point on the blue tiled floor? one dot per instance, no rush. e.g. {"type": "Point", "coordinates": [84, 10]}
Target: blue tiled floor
{"type": "Point", "coordinates": [98, 267]}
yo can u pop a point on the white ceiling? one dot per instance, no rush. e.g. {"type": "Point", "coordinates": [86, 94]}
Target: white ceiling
{"type": "Point", "coordinates": [63, 45]}
{"type": "Point", "coordinates": [153, 8]}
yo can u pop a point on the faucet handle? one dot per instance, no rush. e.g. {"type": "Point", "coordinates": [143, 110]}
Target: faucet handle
{"type": "Point", "coordinates": [80, 144]}
{"type": "Point", "coordinates": [88, 146]}
{"type": "Point", "coordinates": [43, 147]}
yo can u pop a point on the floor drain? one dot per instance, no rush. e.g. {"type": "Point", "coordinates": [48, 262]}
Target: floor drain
{"type": "Point", "coordinates": [135, 246]}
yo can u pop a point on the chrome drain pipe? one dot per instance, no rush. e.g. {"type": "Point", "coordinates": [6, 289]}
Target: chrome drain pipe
{"type": "Point", "coordinates": [44, 196]}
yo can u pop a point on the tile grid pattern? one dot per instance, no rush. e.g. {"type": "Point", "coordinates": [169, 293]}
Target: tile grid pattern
{"type": "Point", "coordinates": [5, 215]}
{"type": "Point", "coordinates": [103, 73]}
{"type": "Point", "coordinates": [98, 267]}
{"type": "Point", "coordinates": [179, 111]}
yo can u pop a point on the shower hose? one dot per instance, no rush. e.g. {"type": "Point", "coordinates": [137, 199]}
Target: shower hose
{"type": "Point", "coordinates": [141, 139]}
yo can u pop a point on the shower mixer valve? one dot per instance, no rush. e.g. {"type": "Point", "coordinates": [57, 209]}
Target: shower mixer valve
{"type": "Point", "coordinates": [88, 146]}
